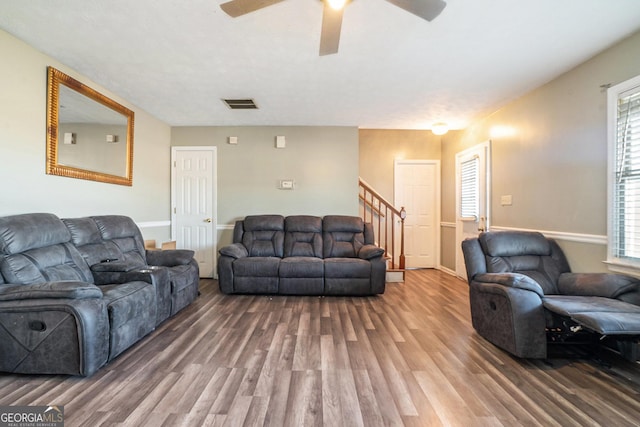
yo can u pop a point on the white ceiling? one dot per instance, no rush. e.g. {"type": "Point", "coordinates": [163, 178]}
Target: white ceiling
{"type": "Point", "coordinates": [176, 59]}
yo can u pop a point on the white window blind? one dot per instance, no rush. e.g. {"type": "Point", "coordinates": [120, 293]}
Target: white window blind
{"type": "Point", "coordinates": [470, 188]}
{"type": "Point", "coordinates": [626, 188]}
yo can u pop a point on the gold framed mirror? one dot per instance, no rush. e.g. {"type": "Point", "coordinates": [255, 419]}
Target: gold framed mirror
{"type": "Point", "coordinates": [89, 136]}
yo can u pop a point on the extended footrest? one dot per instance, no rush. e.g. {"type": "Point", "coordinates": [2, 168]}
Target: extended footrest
{"type": "Point", "coordinates": [605, 316]}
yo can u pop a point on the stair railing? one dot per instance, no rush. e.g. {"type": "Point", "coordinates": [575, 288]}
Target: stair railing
{"type": "Point", "coordinates": [386, 219]}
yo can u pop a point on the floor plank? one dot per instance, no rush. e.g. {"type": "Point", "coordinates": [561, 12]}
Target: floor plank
{"type": "Point", "coordinates": [408, 357]}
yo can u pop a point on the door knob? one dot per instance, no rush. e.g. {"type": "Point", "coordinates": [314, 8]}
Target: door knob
{"type": "Point", "coordinates": [207, 220]}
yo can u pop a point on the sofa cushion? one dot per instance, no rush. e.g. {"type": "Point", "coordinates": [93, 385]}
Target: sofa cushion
{"type": "Point", "coordinates": [264, 235]}
{"type": "Point", "coordinates": [303, 236]}
{"type": "Point", "coordinates": [123, 232]}
{"type": "Point", "coordinates": [343, 236]}
{"type": "Point", "coordinates": [256, 266]}
{"type": "Point", "coordinates": [83, 231]}
{"type": "Point", "coordinates": [347, 268]}
{"type": "Point", "coordinates": [514, 243]}
{"type": "Point", "coordinates": [301, 267]}
{"type": "Point", "coordinates": [19, 233]}
{"type": "Point", "coordinates": [47, 264]}
{"type": "Point", "coordinates": [528, 253]}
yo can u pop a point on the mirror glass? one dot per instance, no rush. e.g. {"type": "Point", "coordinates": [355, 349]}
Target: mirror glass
{"type": "Point", "coordinates": [89, 135]}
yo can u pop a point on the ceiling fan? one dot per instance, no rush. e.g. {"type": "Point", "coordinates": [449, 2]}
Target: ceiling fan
{"type": "Point", "coordinates": [332, 15]}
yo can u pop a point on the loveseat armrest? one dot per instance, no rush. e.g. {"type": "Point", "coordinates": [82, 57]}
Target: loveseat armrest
{"type": "Point", "coordinates": [169, 257]}
{"type": "Point", "coordinates": [109, 266]}
{"type": "Point", "coordinates": [158, 276]}
{"type": "Point", "coordinates": [103, 275]}
{"type": "Point", "coordinates": [608, 285]}
{"type": "Point", "coordinates": [234, 250]}
{"type": "Point", "coordinates": [50, 290]}
{"type": "Point", "coordinates": [370, 252]}
{"type": "Point", "coordinates": [512, 280]}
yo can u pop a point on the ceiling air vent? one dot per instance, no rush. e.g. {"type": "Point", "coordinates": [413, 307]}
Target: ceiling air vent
{"type": "Point", "coordinates": [241, 104]}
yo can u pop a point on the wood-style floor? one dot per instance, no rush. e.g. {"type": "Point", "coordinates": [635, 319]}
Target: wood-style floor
{"type": "Point", "coordinates": [408, 357]}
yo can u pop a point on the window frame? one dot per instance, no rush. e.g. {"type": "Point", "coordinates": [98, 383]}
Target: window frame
{"type": "Point", "coordinates": [615, 263]}
{"type": "Point", "coordinates": [474, 182]}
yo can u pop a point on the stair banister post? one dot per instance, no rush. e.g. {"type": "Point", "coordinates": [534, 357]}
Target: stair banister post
{"type": "Point", "coordinates": [403, 215]}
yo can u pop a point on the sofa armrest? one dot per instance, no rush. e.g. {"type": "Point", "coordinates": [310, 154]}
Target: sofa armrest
{"type": "Point", "coordinates": [234, 250]}
{"type": "Point", "coordinates": [146, 273]}
{"type": "Point", "coordinates": [510, 317]}
{"type": "Point", "coordinates": [512, 280]}
{"type": "Point", "coordinates": [48, 290]}
{"type": "Point", "coordinates": [109, 266]}
{"type": "Point", "coordinates": [606, 285]}
{"type": "Point", "coordinates": [169, 257]}
{"type": "Point", "coordinates": [370, 252]}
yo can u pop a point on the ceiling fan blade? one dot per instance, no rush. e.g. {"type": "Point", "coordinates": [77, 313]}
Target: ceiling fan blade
{"type": "Point", "coordinates": [425, 9]}
{"type": "Point", "coordinates": [331, 26]}
{"type": "Point", "coordinates": [235, 8]}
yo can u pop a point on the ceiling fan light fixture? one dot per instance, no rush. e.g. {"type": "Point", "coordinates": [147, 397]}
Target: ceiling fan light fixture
{"type": "Point", "coordinates": [439, 128]}
{"type": "Point", "coordinates": [336, 4]}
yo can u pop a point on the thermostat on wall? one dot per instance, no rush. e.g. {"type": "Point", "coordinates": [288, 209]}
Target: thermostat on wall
{"type": "Point", "coordinates": [286, 184]}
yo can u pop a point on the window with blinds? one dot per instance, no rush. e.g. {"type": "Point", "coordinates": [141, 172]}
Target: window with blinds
{"type": "Point", "coordinates": [470, 188]}
{"type": "Point", "coordinates": [625, 212]}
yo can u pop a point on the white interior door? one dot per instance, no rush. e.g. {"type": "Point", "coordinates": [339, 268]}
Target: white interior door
{"type": "Point", "coordinates": [193, 201]}
{"type": "Point", "coordinates": [472, 196]}
{"type": "Point", "coordinates": [417, 188]}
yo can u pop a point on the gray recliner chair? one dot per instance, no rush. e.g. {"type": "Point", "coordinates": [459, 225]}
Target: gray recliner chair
{"type": "Point", "coordinates": [523, 295]}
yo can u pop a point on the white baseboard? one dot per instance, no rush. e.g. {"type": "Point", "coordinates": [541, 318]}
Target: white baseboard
{"type": "Point", "coordinates": [394, 277]}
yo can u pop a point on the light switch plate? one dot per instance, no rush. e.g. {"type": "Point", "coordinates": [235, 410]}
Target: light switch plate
{"type": "Point", "coordinates": [506, 200]}
{"type": "Point", "coordinates": [69, 138]}
{"type": "Point", "coordinates": [286, 184]}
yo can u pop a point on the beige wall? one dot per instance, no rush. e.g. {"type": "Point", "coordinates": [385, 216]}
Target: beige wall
{"type": "Point", "coordinates": [25, 186]}
{"type": "Point", "coordinates": [379, 148]}
{"type": "Point", "coordinates": [323, 162]}
{"type": "Point", "coordinates": [549, 152]}
{"type": "Point", "coordinates": [552, 159]}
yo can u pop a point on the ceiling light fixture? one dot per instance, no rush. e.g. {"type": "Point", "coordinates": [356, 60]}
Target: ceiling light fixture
{"type": "Point", "coordinates": [336, 4]}
{"type": "Point", "coordinates": [439, 128]}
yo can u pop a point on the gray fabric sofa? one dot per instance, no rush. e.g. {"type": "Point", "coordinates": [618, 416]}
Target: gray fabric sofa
{"type": "Point", "coordinates": [76, 293]}
{"type": "Point", "coordinates": [302, 255]}
{"type": "Point", "coordinates": [524, 295]}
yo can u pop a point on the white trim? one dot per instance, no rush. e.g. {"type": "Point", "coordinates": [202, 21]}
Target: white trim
{"type": "Point", "coordinates": [612, 118]}
{"type": "Point", "coordinates": [154, 224]}
{"type": "Point", "coordinates": [618, 267]}
{"type": "Point", "coordinates": [448, 224]}
{"type": "Point", "coordinates": [225, 227]}
{"type": "Point", "coordinates": [594, 239]}
{"type": "Point", "coordinates": [448, 271]}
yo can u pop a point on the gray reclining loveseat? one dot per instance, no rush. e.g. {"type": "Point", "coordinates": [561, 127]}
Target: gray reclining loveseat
{"type": "Point", "coordinates": [75, 294]}
{"type": "Point", "coordinates": [523, 294]}
{"type": "Point", "coordinates": [302, 255]}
